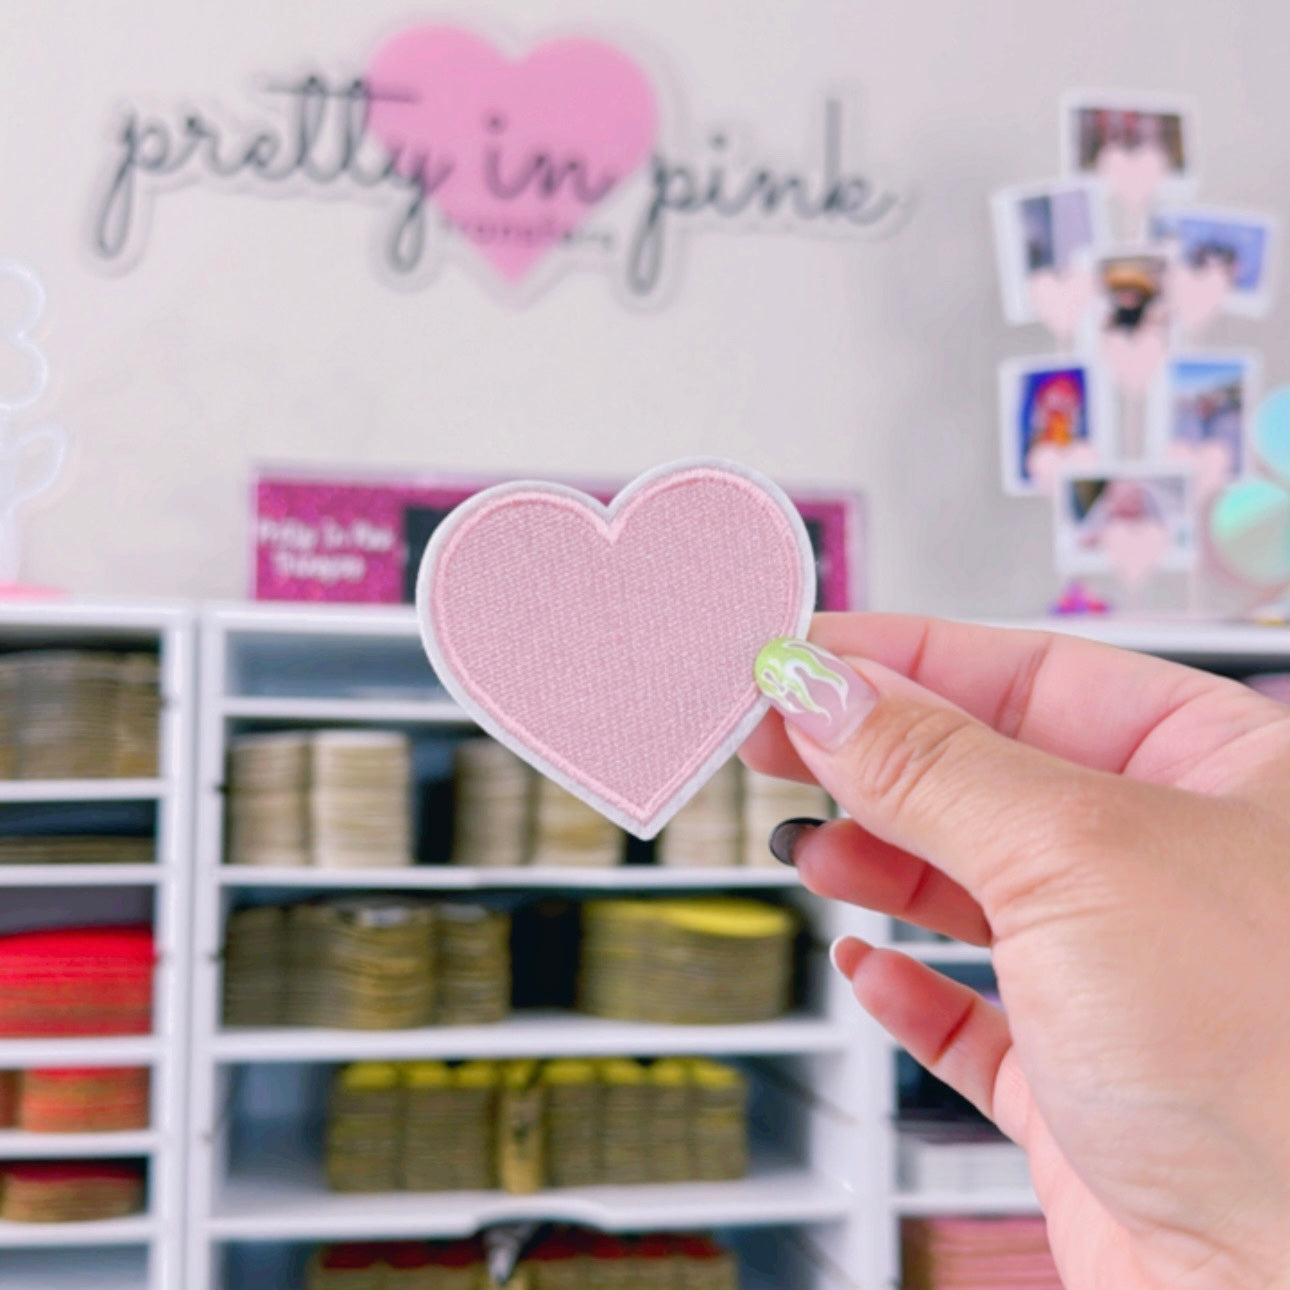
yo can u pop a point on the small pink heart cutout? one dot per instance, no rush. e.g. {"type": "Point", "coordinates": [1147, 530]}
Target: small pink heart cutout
{"type": "Point", "coordinates": [1135, 549]}
{"type": "Point", "coordinates": [1196, 296]}
{"type": "Point", "coordinates": [613, 647]}
{"type": "Point", "coordinates": [1134, 174]}
{"type": "Point", "coordinates": [1210, 462]}
{"type": "Point", "coordinates": [1046, 461]}
{"type": "Point", "coordinates": [1061, 301]}
{"type": "Point", "coordinates": [1135, 359]}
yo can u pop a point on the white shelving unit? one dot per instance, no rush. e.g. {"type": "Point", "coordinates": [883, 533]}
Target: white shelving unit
{"type": "Point", "coordinates": [1231, 650]}
{"type": "Point", "coordinates": [814, 1177]}
{"type": "Point", "coordinates": [143, 1252]}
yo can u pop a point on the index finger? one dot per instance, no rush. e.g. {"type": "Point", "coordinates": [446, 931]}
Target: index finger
{"type": "Point", "coordinates": [1105, 708]}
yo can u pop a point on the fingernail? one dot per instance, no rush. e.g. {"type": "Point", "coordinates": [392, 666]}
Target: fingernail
{"type": "Point", "coordinates": [845, 954]}
{"type": "Point", "coordinates": [785, 836]}
{"type": "Point", "coordinates": [817, 692]}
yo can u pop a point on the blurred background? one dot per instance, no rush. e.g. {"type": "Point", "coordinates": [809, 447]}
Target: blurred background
{"type": "Point", "coordinates": [256, 328]}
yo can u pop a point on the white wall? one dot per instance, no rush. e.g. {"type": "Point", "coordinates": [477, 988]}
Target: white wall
{"type": "Point", "coordinates": [255, 329]}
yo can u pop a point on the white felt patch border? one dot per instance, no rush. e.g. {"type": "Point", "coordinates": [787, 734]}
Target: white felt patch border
{"type": "Point", "coordinates": [723, 751]}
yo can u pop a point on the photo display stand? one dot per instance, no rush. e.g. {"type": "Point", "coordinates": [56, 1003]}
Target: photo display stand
{"type": "Point", "coordinates": [1132, 430]}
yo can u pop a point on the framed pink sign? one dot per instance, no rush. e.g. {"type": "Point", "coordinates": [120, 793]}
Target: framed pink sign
{"type": "Point", "coordinates": [346, 538]}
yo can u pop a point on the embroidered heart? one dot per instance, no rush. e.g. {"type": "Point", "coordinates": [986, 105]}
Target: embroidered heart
{"type": "Point", "coordinates": [1196, 295]}
{"type": "Point", "coordinates": [1061, 301]}
{"type": "Point", "coordinates": [1046, 461]}
{"type": "Point", "coordinates": [1135, 174]}
{"type": "Point", "coordinates": [1134, 359]}
{"type": "Point", "coordinates": [613, 647]}
{"type": "Point", "coordinates": [1135, 549]}
{"type": "Point", "coordinates": [533, 144]}
{"type": "Point", "coordinates": [1211, 464]}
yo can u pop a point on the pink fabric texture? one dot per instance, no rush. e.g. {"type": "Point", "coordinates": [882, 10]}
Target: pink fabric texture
{"type": "Point", "coordinates": [614, 648]}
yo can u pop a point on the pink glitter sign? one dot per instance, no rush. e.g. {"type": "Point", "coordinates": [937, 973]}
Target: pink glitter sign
{"type": "Point", "coordinates": [346, 539]}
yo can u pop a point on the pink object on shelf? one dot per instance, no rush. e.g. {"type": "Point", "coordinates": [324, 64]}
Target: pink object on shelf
{"type": "Point", "coordinates": [613, 647]}
{"type": "Point", "coordinates": [978, 1254]}
{"type": "Point", "coordinates": [1078, 599]}
{"type": "Point", "coordinates": [29, 591]}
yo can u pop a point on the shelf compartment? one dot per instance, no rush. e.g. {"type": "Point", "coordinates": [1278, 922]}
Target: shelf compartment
{"type": "Point", "coordinates": [114, 1268]}
{"type": "Point", "coordinates": [16, 1145]}
{"type": "Point", "coordinates": [537, 1034]}
{"type": "Point", "coordinates": [768, 1262]}
{"type": "Point", "coordinates": [466, 878]}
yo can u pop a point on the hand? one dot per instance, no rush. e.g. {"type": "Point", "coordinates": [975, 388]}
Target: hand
{"type": "Point", "coordinates": [1117, 829]}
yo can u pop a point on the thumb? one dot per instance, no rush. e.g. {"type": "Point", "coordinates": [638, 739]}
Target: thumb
{"type": "Point", "coordinates": [999, 817]}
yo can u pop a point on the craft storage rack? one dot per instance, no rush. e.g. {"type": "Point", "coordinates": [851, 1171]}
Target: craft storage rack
{"type": "Point", "coordinates": [255, 1210]}
{"type": "Point", "coordinates": [1234, 651]}
{"type": "Point", "coordinates": [143, 1252]}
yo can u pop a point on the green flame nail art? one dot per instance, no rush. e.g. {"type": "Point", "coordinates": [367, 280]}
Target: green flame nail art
{"type": "Point", "coordinates": [785, 670]}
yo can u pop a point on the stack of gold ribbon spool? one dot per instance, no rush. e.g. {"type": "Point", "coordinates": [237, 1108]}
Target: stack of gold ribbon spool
{"type": "Point", "coordinates": [334, 799]}
{"type": "Point", "coordinates": [528, 1125]}
{"type": "Point", "coordinates": [367, 963]}
{"type": "Point", "coordinates": [686, 961]}
{"type": "Point", "coordinates": [361, 963]}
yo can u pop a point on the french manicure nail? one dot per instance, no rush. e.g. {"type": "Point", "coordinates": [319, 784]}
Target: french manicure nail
{"type": "Point", "coordinates": [785, 836]}
{"type": "Point", "coordinates": [817, 693]}
{"type": "Point", "coordinates": [833, 952]}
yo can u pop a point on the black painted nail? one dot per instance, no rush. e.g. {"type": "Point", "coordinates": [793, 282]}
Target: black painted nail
{"type": "Point", "coordinates": [785, 836]}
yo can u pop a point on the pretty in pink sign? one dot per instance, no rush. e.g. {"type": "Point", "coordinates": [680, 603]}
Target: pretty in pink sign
{"type": "Point", "coordinates": [518, 164]}
{"type": "Point", "coordinates": [350, 540]}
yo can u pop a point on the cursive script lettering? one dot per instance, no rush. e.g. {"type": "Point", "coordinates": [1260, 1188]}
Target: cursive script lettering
{"type": "Point", "coordinates": [680, 189]}
{"type": "Point", "coordinates": [322, 141]}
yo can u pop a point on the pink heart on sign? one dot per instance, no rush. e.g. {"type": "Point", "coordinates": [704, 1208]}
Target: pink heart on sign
{"type": "Point", "coordinates": [1135, 174]}
{"type": "Point", "coordinates": [613, 647]}
{"type": "Point", "coordinates": [1134, 359]}
{"type": "Point", "coordinates": [1061, 301]}
{"type": "Point", "coordinates": [1135, 549]}
{"type": "Point", "coordinates": [533, 145]}
{"type": "Point", "coordinates": [1046, 460]}
{"type": "Point", "coordinates": [1197, 295]}
{"type": "Point", "coordinates": [1211, 464]}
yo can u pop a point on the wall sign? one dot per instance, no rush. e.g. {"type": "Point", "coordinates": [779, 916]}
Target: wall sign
{"type": "Point", "coordinates": [351, 539]}
{"type": "Point", "coordinates": [520, 167]}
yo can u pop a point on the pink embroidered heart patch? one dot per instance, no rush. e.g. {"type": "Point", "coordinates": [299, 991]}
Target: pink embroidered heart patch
{"type": "Point", "coordinates": [613, 647]}
{"type": "Point", "coordinates": [515, 153]}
